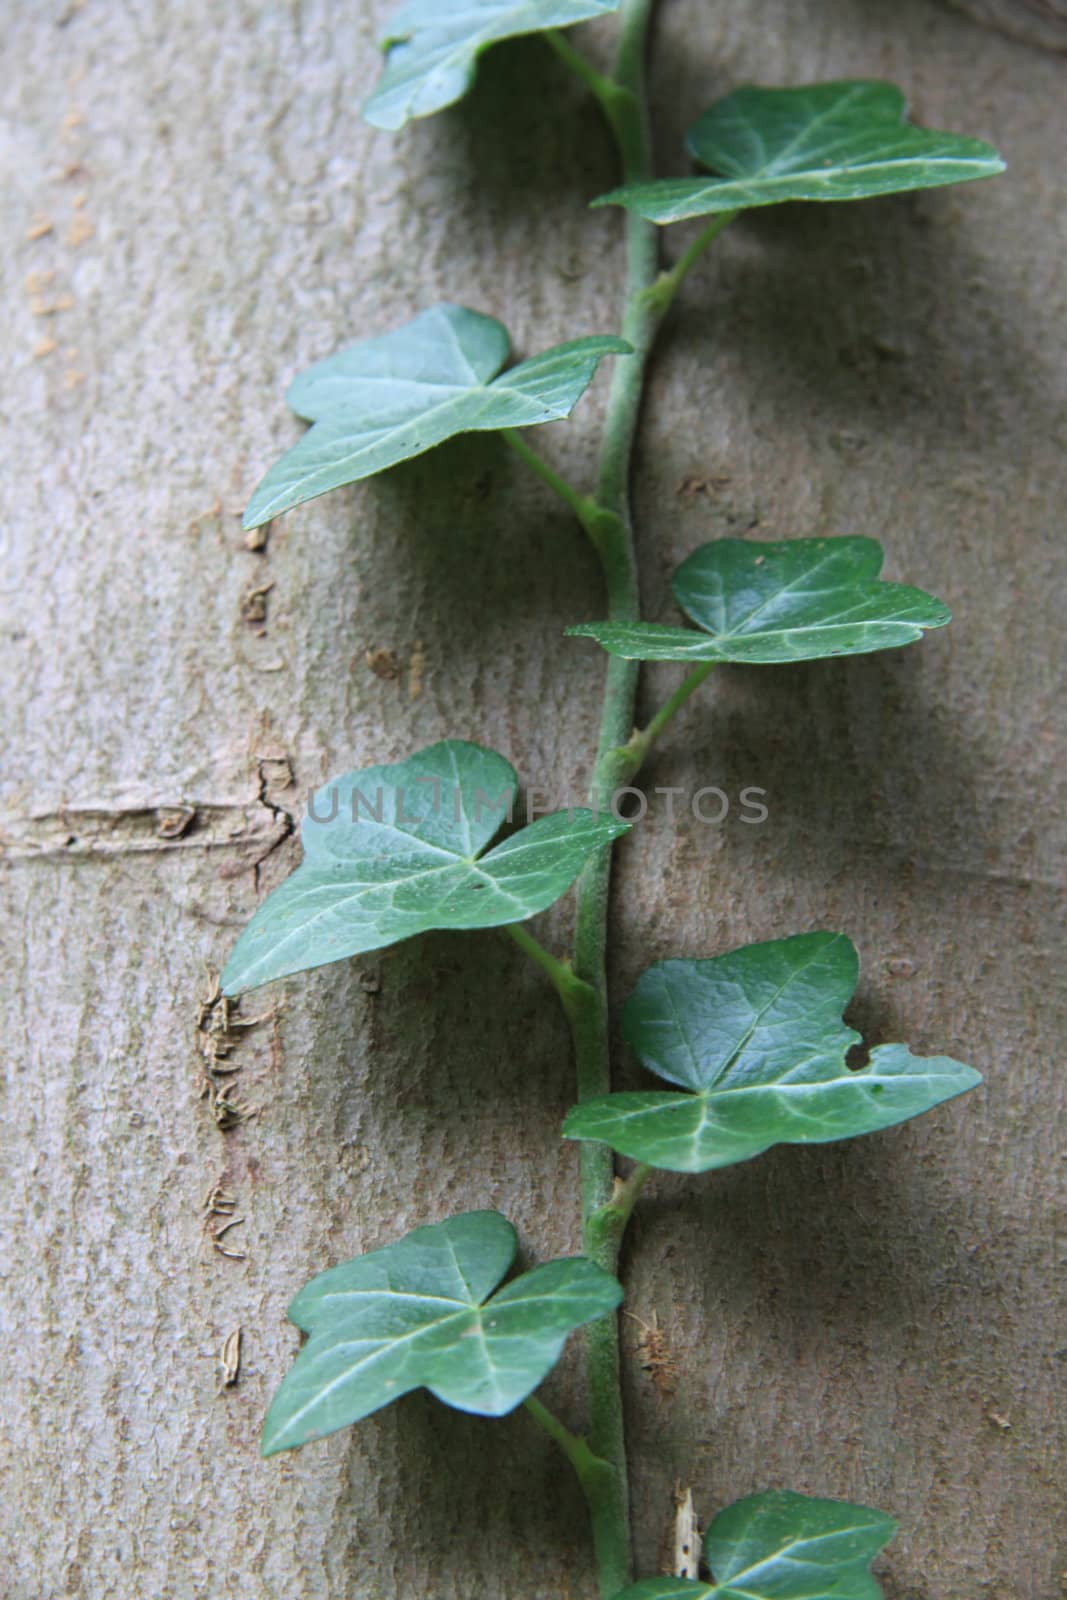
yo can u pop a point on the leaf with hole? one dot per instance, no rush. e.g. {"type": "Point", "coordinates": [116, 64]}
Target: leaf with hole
{"type": "Point", "coordinates": [387, 399]}
{"type": "Point", "coordinates": [756, 1040]}
{"type": "Point", "coordinates": [423, 1314]}
{"type": "Point", "coordinates": [828, 141]}
{"type": "Point", "coordinates": [396, 850]}
{"type": "Point", "coordinates": [784, 1546]}
{"type": "Point", "coordinates": [787, 600]}
{"type": "Point", "coordinates": [432, 48]}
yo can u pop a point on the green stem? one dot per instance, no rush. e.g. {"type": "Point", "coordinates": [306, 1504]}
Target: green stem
{"type": "Point", "coordinates": [588, 1466]}
{"type": "Point", "coordinates": [583, 507]}
{"type": "Point", "coordinates": [607, 1226]}
{"type": "Point", "coordinates": [613, 535]}
{"type": "Point", "coordinates": [603, 88]}
{"type": "Point", "coordinates": [595, 1475]}
{"type": "Point", "coordinates": [632, 754]}
{"type": "Point", "coordinates": [607, 1204]}
{"type": "Point", "coordinates": [668, 283]}
{"type": "Point", "coordinates": [573, 993]}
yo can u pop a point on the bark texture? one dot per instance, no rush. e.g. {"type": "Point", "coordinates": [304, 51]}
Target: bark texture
{"type": "Point", "coordinates": [198, 212]}
{"type": "Point", "coordinates": [1041, 22]}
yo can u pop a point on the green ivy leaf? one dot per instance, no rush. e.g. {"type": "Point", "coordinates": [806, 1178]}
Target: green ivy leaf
{"type": "Point", "coordinates": [387, 399]}
{"type": "Point", "coordinates": [433, 46]}
{"type": "Point", "coordinates": [421, 1314]}
{"type": "Point", "coordinates": [756, 1036]}
{"type": "Point", "coordinates": [829, 141]}
{"type": "Point", "coordinates": [784, 1546]}
{"type": "Point", "coordinates": [786, 600]}
{"type": "Point", "coordinates": [393, 851]}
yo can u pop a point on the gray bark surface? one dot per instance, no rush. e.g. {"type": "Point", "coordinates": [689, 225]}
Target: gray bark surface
{"type": "Point", "coordinates": [1041, 22]}
{"type": "Point", "coordinates": [878, 1320]}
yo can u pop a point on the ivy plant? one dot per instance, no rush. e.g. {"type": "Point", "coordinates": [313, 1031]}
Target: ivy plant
{"type": "Point", "coordinates": [756, 1041]}
{"type": "Point", "coordinates": [384, 400]}
{"type": "Point", "coordinates": [750, 1043]}
{"type": "Point", "coordinates": [782, 1546]}
{"type": "Point", "coordinates": [397, 850]}
{"type": "Point", "coordinates": [427, 1312]}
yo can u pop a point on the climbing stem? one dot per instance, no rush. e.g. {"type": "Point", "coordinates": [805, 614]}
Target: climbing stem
{"type": "Point", "coordinates": [607, 1202]}
{"type": "Point", "coordinates": [607, 1225]}
{"type": "Point", "coordinates": [612, 533]}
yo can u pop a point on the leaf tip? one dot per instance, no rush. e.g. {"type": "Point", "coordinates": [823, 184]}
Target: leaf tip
{"type": "Point", "coordinates": [230, 978]}
{"type": "Point", "coordinates": [252, 518]}
{"type": "Point", "coordinates": [272, 1438]}
{"type": "Point", "coordinates": [377, 120]}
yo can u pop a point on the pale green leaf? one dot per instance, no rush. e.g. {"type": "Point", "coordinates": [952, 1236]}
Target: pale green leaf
{"type": "Point", "coordinates": [387, 399]}
{"type": "Point", "coordinates": [433, 47]}
{"type": "Point", "coordinates": [829, 141]}
{"type": "Point", "coordinates": [421, 1314]}
{"type": "Point", "coordinates": [757, 1039]}
{"type": "Point", "coordinates": [786, 600]}
{"type": "Point", "coordinates": [784, 1546]}
{"type": "Point", "coordinates": [396, 850]}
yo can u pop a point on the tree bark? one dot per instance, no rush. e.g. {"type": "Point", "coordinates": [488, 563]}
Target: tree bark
{"type": "Point", "coordinates": [199, 213]}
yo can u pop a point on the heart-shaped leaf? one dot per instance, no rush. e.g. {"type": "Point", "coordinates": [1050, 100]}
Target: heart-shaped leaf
{"type": "Point", "coordinates": [421, 1314]}
{"type": "Point", "coordinates": [757, 1036]}
{"type": "Point", "coordinates": [393, 851]}
{"type": "Point", "coordinates": [786, 600]}
{"type": "Point", "coordinates": [829, 141]}
{"type": "Point", "coordinates": [784, 1546]}
{"type": "Point", "coordinates": [433, 46]}
{"type": "Point", "coordinates": [387, 399]}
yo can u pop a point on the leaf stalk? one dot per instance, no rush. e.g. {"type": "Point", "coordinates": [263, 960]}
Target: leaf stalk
{"type": "Point", "coordinates": [640, 742]}
{"type": "Point", "coordinates": [596, 1476]}
{"type": "Point", "coordinates": [584, 508]}
{"type": "Point", "coordinates": [574, 994]}
{"type": "Point", "coordinates": [589, 1467]}
{"type": "Point", "coordinates": [666, 286]}
{"type": "Point", "coordinates": [604, 89]}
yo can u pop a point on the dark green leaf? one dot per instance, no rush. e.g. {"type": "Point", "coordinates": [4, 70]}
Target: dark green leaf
{"type": "Point", "coordinates": [393, 851]}
{"type": "Point", "coordinates": [757, 1037]}
{"type": "Point", "coordinates": [783, 1546]}
{"type": "Point", "coordinates": [384, 400]}
{"type": "Point", "coordinates": [433, 47]}
{"type": "Point", "coordinates": [830, 141]}
{"type": "Point", "coordinates": [421, 1314]}
{"type": "Point", "coordinates": [790, 600]}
